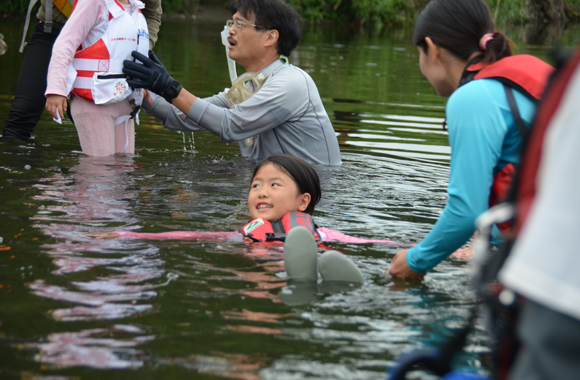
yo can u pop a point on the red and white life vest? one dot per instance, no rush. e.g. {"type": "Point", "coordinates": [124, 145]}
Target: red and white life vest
{"type": "Point", "coordinates": [96, 73]}
{"type": "Point", "coordinates": [264, 230]}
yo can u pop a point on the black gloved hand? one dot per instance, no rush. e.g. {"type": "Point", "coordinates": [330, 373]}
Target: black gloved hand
{"type": "Point", "coordinates": [151, 75]}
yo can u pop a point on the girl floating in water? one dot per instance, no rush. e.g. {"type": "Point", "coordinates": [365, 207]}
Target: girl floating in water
{"type": "Point", "coordinates": [492, 100]}
{"type": "Point", "coordinates": [283, 193]}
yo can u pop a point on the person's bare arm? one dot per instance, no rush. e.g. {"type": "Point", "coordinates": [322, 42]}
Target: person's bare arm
{"type": "Point", "coordinates": [184, 100]}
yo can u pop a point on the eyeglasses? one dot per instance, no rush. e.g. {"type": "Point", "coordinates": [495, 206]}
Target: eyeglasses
{"type": "Point", "coordinates": [238, 25]}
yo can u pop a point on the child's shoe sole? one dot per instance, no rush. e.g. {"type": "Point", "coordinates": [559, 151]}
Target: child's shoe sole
{"type": "Point", "coordinates": [301, 255]}
{"type": "Point", "coordinates": [334, 266]}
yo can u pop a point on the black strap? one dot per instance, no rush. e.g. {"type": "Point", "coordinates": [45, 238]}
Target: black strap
{"type": "Point", "coordinates": [468, 75]}
{"type": "Point", "coordinates": [277, 226]}
{"type": "Point", "coordinates": [279, 233]}
{"type": "Point", "coordinates": [522, 127]}
{"type": "Point", "coordinates": [135, 112]}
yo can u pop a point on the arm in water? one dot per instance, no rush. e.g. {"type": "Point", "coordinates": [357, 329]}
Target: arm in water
{"type": "Point", "coordinates": [477, 136]}
{"type": "Point", "coordinates": [233, 236]}
{"type": "Point", "coordinates": [326, 235]}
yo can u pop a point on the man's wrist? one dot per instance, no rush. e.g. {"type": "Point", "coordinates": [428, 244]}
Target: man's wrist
{"type": "Point", "coordinates": [172, 91]}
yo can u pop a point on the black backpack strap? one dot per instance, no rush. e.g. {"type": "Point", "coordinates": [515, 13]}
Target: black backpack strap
{"type": "Point", "coordinates": [468, 75]}
{"type": "Point", "coordinates": [522, 127]}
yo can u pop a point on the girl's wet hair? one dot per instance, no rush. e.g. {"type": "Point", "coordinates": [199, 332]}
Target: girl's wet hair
{"type": "Point", "coordinates": [301, 172]}
{"type": "Point", "coordinates": [457, 26]}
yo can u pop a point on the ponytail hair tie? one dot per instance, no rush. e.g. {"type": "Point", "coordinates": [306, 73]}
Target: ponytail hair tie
{"type": "Point", "coordinates": [484, 40]}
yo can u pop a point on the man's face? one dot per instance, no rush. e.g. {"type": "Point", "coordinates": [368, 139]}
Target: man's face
{"type": "Point", "coordinates": [246, 44]}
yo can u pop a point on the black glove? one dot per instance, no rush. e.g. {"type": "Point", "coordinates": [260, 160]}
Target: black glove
{"type": "Point", "coordinates": [151, 75]}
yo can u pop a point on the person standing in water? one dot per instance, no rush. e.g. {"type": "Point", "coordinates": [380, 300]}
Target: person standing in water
{"type": "Point", "coordinates": [107, 32]}
{"type": "Point", "coordinates": [284, 116]}
{"type": "Point", "coordinates": [492, 101]}
{"type": "Point", "coordinates": [29, 100]}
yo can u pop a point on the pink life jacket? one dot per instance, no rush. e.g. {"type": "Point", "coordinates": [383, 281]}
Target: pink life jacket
{"type": "Point", "coordinates": [264, 230]}
{"type": "Point", "coordinates": [96, 71]}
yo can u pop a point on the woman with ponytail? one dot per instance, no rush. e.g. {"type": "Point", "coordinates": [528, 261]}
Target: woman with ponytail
{"type": "Point", "coordinates": [492, 101]}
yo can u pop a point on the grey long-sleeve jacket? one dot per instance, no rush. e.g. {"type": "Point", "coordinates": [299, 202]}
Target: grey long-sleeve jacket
{"type": "Point", "coordinates": [286, 116]}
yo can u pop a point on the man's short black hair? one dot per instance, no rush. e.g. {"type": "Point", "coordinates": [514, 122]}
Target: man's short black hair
{"type": "Point", "coordinates": [273, 14]}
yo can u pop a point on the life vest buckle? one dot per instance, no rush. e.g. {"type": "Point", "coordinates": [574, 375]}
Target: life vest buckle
{"type": "Point", "coordinates": [275, 236]}
{"type": "Point", "coordinates": [135, 111]}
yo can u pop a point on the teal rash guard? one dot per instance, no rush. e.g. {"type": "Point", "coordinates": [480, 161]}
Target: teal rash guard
{"type": "Point", "coordinates": [483, 139]}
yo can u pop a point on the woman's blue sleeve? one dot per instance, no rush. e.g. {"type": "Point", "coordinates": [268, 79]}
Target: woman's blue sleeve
{"type": "Point", "coordinates": [476, 134]}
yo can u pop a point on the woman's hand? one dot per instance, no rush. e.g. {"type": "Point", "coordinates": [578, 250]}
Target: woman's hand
{"type": "Point", "coordinates": [399, 267]}
{"type": "Point", "coordinates": [56, 101]}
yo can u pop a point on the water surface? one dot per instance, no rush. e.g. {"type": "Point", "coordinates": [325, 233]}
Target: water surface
{"type": "Point", "coordinates": [72, 304]}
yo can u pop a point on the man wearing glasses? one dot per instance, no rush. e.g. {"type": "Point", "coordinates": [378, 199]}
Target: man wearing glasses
{"type": "Point", "coordinates": [285, 116]}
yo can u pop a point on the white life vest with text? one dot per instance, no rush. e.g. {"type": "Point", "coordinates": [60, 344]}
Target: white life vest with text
{"type": "Point", "coordinates": [96, 73]}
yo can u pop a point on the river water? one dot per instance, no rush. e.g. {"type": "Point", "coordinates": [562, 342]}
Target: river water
{"type": "Point", "coordinates": [73, 306]}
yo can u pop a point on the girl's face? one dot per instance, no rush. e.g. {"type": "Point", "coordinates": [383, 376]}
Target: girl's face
{"type": "Point", "coordinates": [436, 65]}
{"type": "Point", "coordinates": [274, 193]}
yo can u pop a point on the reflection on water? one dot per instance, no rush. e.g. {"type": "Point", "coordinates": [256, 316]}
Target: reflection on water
{"type": "Point", "coordinates": [175, 309]}
{"type": "Point", "coordinates": [408, 136]}
{"type": "Point", "coordinates": [114, 279]}
{"type": "Point", "coordinates": [221, 364]}
{"type": "Point", "coordinates": [94, 348]}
